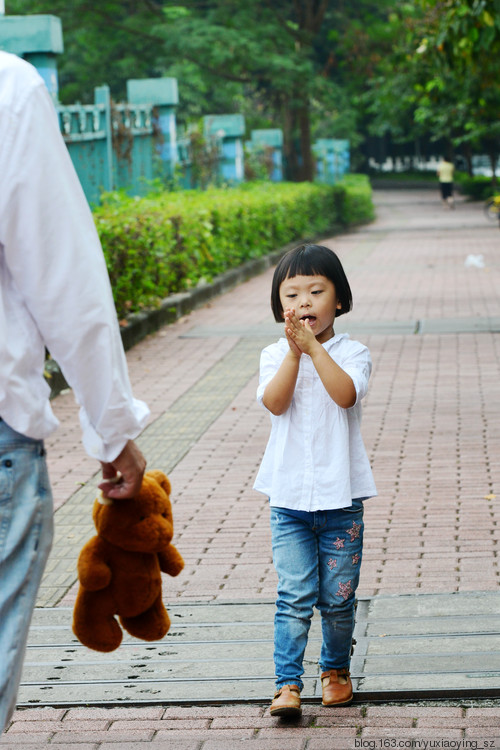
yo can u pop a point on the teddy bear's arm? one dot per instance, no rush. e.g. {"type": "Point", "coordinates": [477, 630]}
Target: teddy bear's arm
{"type": "Point", "coordinates": [171, 561]}
{"type": "Point", "coordinates": [93, 571]}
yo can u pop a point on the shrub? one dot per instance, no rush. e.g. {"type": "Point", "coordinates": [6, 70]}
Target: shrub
{"type": "Point", "coordinates": [478, 188]}
{"type": "Point", "coordinates": [358, 206]}
{"type": "Point", "coordinates": [165, 243]}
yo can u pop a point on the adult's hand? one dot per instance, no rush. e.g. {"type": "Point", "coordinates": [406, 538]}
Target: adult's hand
{"type": "Point", "coordinates": [123, 476]}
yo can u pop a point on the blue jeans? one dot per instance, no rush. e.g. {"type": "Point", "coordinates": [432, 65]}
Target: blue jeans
{"type": "Point", "coordinates": [317, 557]}
{"type": "Point", "coordinates": [26, 530]}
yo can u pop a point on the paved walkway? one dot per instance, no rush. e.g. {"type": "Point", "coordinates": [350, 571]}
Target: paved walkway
{"type": "Point", "coordinates": [426, 286]}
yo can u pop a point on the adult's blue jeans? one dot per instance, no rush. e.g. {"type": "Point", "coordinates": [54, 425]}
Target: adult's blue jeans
{"type": "Point", "coordinates": [317, 557]}
{"type": "Point", "coordinates": [26, 530]}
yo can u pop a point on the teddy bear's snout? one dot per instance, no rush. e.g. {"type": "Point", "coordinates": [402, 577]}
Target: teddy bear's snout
{"type": "Point", "coordinates": [151, 534]}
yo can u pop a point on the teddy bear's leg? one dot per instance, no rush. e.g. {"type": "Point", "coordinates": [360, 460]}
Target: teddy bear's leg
{"type": "Point", "coordinates": [150, 625]}
{"type": "Point", "coordinates": [93, 622]}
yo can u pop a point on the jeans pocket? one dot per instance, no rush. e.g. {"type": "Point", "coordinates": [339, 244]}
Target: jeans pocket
{"type": "Point", "coordinates": [356, 507]}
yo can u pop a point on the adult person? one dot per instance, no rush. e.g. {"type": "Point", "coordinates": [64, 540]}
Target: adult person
{"type": "Point", "coordinates": [445, 172]}
{"type": "Point", "coordinates": [54, 293]}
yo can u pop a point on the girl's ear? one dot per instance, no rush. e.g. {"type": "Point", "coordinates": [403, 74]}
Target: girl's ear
{"type": "Point", "coordinates": [339, 305]}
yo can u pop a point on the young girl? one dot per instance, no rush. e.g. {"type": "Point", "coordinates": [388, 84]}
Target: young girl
{"type": "Point", "coordinates": [315, 470]}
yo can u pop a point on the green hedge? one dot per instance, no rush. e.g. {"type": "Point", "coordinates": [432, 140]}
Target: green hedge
{"type": "Point", "coordinates": [478, 188]}
{"type": "Point", "coordinates": [168, 242]}
{"type": "Point", "coordinates": [358, 207]}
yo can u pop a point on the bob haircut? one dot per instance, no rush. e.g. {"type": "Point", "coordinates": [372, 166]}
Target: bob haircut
{"type": "Point", "coordinates": [311, 260]}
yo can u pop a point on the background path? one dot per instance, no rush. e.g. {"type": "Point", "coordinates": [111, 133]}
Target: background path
{"type": "Point", "coordinates": [426, 286]}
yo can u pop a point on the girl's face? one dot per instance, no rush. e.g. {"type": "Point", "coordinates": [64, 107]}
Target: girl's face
{"type": "Point", "coordinates": [312, 298]}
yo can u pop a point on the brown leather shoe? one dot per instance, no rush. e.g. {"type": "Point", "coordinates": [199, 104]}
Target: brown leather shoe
{"type": "Point", "coordinates": [336, 687]}
{"type": "Point", "coordinates": [286, 702]}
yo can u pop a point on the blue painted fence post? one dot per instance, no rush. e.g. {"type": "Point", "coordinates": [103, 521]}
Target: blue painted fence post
{"type": "Point", "coordinates": [229, 129]}
{"type": "Point", "coordinates": [38, 39]}
{"type": "Point", "coordinates": [332, 159]}
{"type": "Point", "coordinates": [102, 97]}
{"type": "Point", "coordinates": [163, 96]}
{"type": "Point", "coordinates": [270, 138]}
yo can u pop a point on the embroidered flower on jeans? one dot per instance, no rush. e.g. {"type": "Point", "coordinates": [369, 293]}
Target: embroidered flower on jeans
{"type": "Point", "coordinates": [345, 590]}
{"type": "Point", "coordinates": [355, 531]}
{"type": "Point", "coordinates": [339, 543]}
{"type": "Point", "coordinates": [355, 559]}
{"type": "Point", "coordinates": [332, 563]}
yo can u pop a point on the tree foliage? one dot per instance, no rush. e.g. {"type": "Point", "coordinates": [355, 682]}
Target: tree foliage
{"type": "Point", "coordinates": [105, 42]}
{"type": "Point", "coordinates": [267, 48]}
{"type": "Point", "coordinates": [281, 63]}
{"type": "Point", "coordinates": [461, 51]}
{"type": "Point", "coordinates": [315, 68]}
{"type": "Point", "coordinates": [441, 77]}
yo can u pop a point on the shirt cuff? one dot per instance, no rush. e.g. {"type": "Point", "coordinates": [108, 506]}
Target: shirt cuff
{"type": "Point", "coordinates": [125, 427]}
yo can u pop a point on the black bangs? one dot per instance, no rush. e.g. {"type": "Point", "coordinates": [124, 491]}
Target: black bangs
{"type": "Point", "coordinates": [309, 260]}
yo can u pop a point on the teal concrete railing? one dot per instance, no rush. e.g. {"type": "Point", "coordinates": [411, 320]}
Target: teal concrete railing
{"type": "Point", "coordinates": [125, 146]}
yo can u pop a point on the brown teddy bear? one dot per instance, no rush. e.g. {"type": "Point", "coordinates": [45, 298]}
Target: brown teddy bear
{"type": "Point", "coordinates": [119, 569]}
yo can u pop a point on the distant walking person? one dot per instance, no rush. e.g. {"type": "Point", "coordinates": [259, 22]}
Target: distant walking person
{"type": "Point", "coordinates": [54, 292]}
{"type": "Point", "coordinates": [445, 172]}
{"type": "Point", "coordinates": [315, 471]}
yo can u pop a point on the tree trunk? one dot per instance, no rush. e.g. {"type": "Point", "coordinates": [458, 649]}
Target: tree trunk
{"type": "Point", "coordinates": [307, 163]}
{"type": "Point", "coordinates": [299, 161]}
{"type": "Point", "coordinates": [468, 158]}
{"type": "Point", "coordinates": [289, 152]}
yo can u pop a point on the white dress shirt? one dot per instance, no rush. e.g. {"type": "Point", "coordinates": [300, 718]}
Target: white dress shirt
{"type": "Point", "coordinates": [315, 458]}
{"type": "Point", "coordinates": [54, 287]}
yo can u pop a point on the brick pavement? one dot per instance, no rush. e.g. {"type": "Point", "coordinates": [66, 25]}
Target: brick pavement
{"type": "Point", "coordinates": [251, 728]}
{"type": "Point", "coordinates": [431, 426]}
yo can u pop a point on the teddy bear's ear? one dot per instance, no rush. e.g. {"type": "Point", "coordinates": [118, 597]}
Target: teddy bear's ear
{"type": "Point", "coordinates": [104, 500]}
{"type": "Point", "coordinates": [162, 479]}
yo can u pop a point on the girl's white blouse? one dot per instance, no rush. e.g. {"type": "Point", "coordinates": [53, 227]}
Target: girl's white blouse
{"type": "Point", "coordinates": [315, 458]}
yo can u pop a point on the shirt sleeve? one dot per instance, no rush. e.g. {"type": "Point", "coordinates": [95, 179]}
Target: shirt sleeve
{"type": "Point", "coordinates": [358, 365]}
{"type": "Point", "coordinates": [54, 256]}
{"type": "Point", "coordinates": [270, 360]}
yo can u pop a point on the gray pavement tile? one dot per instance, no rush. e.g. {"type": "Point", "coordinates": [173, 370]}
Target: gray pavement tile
{"type": "Point", "coordinates": [404, 645]}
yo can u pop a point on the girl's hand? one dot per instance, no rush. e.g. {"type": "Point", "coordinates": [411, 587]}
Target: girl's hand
{"type": "Point", "coordinates": [299, 332]}
{"type": "Point", "coordinates": [291, 343]}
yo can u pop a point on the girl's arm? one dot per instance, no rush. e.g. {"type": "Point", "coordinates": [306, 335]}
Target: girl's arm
{"type": "Point", "coordinates": [279, 391]}
{"type": "Point", "coordinates": [338, 383]}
